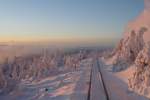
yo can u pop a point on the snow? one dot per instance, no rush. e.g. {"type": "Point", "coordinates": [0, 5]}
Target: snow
{"type": "Point", "coordinates": [117, 85]}
{"type": "Point", "coordinates": [97, 89]}
{"type": "Point", "coordinates": [130, 59]}
{"type": "Point", "coordinates": [125, 74]}
{"type": "Point", "coordinates": [81, 89]}
{"type": "Point", "coordinates": [63, 86]}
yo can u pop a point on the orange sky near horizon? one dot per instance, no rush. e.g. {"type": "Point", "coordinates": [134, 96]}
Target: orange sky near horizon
{"type": "Point", "coordinates": [59, 40]}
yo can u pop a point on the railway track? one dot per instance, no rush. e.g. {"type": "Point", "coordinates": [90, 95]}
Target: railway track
{"type": "Point", "coordinates": [112, 90]}
{"type": "Point", "coordinates": [102, 78]}
{"type": "Point", "coordinates": [97, 87]}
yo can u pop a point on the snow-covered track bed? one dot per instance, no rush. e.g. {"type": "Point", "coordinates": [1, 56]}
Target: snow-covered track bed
{"type": "Point", "coordinates": [98, 88]}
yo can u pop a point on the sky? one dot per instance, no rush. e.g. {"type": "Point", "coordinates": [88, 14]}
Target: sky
{"type": "Point", "coordinates": [62, 20]}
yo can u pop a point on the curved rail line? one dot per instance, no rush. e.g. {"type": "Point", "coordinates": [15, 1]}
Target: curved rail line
{"type": "Point", "coordinates": [105, 89]}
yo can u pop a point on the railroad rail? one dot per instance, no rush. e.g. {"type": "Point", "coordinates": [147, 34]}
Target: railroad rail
{"type": "Point", "coordinates": [103, 82]}
{"type": "Point", "coordinates": [90, 84]}
{"type": "Point", "coordinates": [97, 87]}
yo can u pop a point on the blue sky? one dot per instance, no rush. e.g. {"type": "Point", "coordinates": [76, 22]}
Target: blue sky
{"type": "Point", "coordinates": [47, 19]}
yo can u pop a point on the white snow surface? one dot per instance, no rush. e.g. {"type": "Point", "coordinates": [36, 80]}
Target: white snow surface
{"type": "Point", "coordinates": [117, 84]}
{"type": "Point", "coordinates": [68, 85]}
